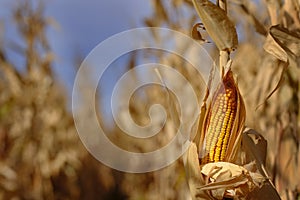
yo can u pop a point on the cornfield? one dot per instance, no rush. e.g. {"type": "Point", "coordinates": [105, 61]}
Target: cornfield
{"type": "Point", "coordinates": [244, 144]}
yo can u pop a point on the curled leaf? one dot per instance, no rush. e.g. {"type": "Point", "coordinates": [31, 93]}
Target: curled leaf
{"type": "Point", "coordinates": [217, 24]}
{"type": "Point", "coordinates": [196, 32]}
{"type": "Point", "coordinates": [289, 41]}
{"type": "Point", "coordinates": [229, 180]}
{"type": "Point", "coordinates": [278, 43]}
{"type": "Point", "coordinates": [283, 44]}
{"type": "Point", "coordinates": [274, 47]}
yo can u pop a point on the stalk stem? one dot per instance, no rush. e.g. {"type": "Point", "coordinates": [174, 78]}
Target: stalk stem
{"type": "Point", "coordinates": [224, 55]}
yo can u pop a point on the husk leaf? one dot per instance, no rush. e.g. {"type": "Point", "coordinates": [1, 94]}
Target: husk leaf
{"type": "Point", "coordinates": [217, 24]}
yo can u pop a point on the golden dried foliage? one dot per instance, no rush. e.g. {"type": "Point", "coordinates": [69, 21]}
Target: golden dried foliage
{"type": "Point", "coordinates": [277, 44]}
{"type": "Point", "coordinates": [41, 157]}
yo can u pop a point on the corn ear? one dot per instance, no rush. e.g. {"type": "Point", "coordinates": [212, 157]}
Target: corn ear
{"type": "Point", "coordinates": [198, 155]}
{"type": "Point", "coordinates": [223, 123]}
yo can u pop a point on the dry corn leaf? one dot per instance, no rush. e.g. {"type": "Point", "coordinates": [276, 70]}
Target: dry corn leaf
{"type": "Point", "coordinates": [195, 33]}
{"type": "Point", "coordinates": [218, 25]}
{"type": "Point", "coordinates": [292, 8]}
{"type": "Point", "coordinates": [255, 147]}
{"type": "Point", "coordinates": [275, 47]}
{"type": "Point", "coordinates": [174, 112]}
{"type": "Point", "coordinates": [259, 27]}
{"type": "Point", "coordinates": [284, 34]}
{"type": "Point", "coordinates": [229, 180]}
{"type": "Point", "coordinates": [283, 66]}
{"type": "Point", "coordinates": [199, 123]}
{"type": "Point", "coordinates": [266, 191]}
{"type": "Point", "coordinates": [283, 44]}
{"type": "Point", "coordinates": [273, 7]}
{"type": "Point", "coordinates": [289, 41]}
{"type": "Point", "coordinates": [193, 173]}
{"type": "Point", "coordinates": [214, 170]}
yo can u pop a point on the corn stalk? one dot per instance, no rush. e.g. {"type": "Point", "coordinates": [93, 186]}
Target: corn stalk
{"type": "Point", "coordinates": [214, 167]}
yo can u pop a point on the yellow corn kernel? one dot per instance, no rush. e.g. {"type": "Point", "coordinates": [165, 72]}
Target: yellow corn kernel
{"type": "Point", "coordinates": [219, 123]}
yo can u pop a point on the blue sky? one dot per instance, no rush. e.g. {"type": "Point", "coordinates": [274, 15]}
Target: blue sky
{"type": "Point", "coordinates": [82, 25]}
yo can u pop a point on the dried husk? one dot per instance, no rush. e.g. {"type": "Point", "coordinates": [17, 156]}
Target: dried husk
{"type": "Point", "coordinates": [224, 179]}
{"type": "Point", "coordinates": [217, 24]}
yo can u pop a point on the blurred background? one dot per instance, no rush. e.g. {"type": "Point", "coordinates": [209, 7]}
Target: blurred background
{"type": "Point", "coordinates": [42, 44]}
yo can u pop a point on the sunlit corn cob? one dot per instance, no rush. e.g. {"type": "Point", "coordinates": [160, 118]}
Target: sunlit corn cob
{"type": "Point", "coordinates": [222, 123]}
